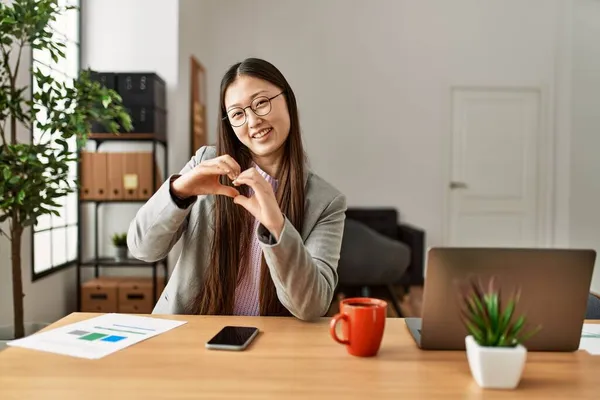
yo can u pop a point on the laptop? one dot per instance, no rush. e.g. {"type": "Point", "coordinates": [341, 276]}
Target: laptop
{"type": "Point", "coordinates": [554, 285]}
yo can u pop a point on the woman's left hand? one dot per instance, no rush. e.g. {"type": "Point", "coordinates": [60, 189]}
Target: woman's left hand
{"type": "Point", "coordinates": [263, 204]}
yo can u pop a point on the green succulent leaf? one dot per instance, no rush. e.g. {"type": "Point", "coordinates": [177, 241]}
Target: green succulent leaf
{"type": "Point", "coordinates": [485, 317]}
{"type": "Point", "coordinates": [507, 316]}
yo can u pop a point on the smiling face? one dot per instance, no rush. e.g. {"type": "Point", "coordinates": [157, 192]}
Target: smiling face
{"type": "Point", "coordinates": [263, 135]}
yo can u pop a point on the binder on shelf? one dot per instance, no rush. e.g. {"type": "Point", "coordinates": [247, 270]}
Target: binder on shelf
{"type": "Point", "coordinates": [119, 176]}
{"type": "Point", "coordinates": [130, 176]}
{"type": "Point", "coordinates": [114, 173]}
{"type": "Point", "coordinates": [145, 165]}
{"type": "Point", "coordinates": [98, 175]}
{"type": "Point", "coordinates": [86, 167]}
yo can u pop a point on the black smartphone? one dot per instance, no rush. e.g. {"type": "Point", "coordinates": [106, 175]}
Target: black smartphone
{"type": "Point", "coordinates": [232, 338]}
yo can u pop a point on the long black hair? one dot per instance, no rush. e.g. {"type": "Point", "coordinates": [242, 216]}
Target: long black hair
{"type": "Point", "coordinates": [229, 254]}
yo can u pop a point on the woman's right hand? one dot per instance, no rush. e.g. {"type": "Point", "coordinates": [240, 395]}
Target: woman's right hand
{"type": "Point", "coordinates": [204, 178]}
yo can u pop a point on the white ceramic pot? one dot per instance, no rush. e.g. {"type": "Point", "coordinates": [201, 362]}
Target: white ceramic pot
{"type": "Point", "coordinates": [496, 367]}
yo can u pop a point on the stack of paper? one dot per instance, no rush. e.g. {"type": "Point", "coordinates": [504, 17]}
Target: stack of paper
{"type": "Point", "coordinates": [97, 337]}
{"type": "Point", "coordinates": [590, 339]}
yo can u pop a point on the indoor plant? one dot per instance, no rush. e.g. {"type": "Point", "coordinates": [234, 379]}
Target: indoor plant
{"type": "Point", "coordinates": [34, 175]}
{"type": "Point", "coordinates": [120, 242]}
{"type": "Point", "coordinates": [495, 349]}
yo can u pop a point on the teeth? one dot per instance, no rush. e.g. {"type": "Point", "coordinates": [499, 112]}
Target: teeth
{"type": "Point", "coordinates": [261, 133]}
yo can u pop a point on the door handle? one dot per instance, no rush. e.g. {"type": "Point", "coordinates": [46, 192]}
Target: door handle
{"type": "Point", "coordinates": [458, 185]}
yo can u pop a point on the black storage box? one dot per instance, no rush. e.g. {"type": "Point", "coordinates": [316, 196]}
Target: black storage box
{"type": "Point", "coordinates": [144, 120]}
{"type": "Point", "coordinates": [108, 79]}
{"type": "Point", "coordinates": [148, 120]}
{"type": "Point", "coordinates": [141, 89]}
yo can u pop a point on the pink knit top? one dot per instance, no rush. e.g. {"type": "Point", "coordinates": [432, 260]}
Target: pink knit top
{"type": "Point", "coordinates": [248, 290]}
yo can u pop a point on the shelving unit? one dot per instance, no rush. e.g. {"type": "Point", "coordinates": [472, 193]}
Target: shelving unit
{"type": "Point", "coordinates": [98, 261]}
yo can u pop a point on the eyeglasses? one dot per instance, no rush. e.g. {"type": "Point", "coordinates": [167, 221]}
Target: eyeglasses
{"type": "Point", "coordinates": [261, 106]}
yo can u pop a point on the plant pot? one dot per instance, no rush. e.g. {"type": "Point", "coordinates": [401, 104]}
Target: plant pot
{"type": "Point", "coordinates": [495, 367]}
{"type": "Point", "coordinates": [120, 253]}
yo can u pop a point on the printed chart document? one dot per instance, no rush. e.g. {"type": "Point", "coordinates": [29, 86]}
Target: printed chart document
{"type": "Point", "coordinates": [590, 339]}
{"type": "Point", "coordinates": [97, 337]}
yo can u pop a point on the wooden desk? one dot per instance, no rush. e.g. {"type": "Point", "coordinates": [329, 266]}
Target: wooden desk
{"type": "Point", "coordinates": [289, 359]}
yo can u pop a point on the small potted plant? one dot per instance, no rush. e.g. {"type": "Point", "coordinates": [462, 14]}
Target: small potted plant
{"type": "Point", "coordinates": [120, 242]}
{"type": "Point", "coordinates": [494, 344]}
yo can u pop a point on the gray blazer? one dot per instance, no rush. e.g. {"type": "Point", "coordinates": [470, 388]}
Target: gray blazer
{"type": "Point", "coordinates": [303, 265]}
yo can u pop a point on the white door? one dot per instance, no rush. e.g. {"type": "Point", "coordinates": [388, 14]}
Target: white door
{"type": "Point", "coordinates": [494, 185]}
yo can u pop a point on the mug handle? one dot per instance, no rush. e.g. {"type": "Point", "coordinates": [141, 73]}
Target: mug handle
{"type": "Point", "coordinates": [332, 325]}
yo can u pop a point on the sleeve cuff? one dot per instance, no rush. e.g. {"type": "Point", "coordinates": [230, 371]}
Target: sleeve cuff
{"type": "Point", "coordinates": [180, 202]}
{"type": "Point", "coordinates": [265, 236]}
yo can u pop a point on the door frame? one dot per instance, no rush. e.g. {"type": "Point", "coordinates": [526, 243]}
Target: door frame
{"type": "Point", "coordinates": [546, 157]}
{"type": "Point", "coordinates": [197, 103]}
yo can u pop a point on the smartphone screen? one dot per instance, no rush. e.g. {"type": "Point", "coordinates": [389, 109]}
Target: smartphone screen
{"type": "Point", "coordinates": [233, 337]}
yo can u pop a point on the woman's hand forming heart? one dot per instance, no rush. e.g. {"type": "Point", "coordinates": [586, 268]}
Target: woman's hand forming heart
{"type": "Point", "coordinates": [204, 178]}
{"type": "Point", "coordinates": [263, 204]}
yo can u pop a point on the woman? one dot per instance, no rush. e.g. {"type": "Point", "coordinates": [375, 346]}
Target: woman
{"type": "Point", "coordinates": [261, 233]}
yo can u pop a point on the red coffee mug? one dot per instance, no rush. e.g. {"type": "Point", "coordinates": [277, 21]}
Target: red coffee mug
{"type": "Point", "coordinates": [363, 324]}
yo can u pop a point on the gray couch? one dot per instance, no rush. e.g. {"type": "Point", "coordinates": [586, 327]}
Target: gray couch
{"type": "Point", "coordinates": [593, 307]}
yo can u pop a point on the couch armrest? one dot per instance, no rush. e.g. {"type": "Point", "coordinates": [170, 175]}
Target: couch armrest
{"type": "Point", "coordinates": [415, 239]}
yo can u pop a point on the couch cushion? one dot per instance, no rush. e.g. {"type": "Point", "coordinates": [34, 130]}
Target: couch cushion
{"type": "Point", "coordinates": [370, 258]}
{"type": "Point", "coordinates": [382, 220]}
{"type": "Point", "coordinates": [593, 307]}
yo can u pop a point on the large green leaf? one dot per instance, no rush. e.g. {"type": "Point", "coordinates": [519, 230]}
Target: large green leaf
{"type": "Point", "coordinates": [490, 323]}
